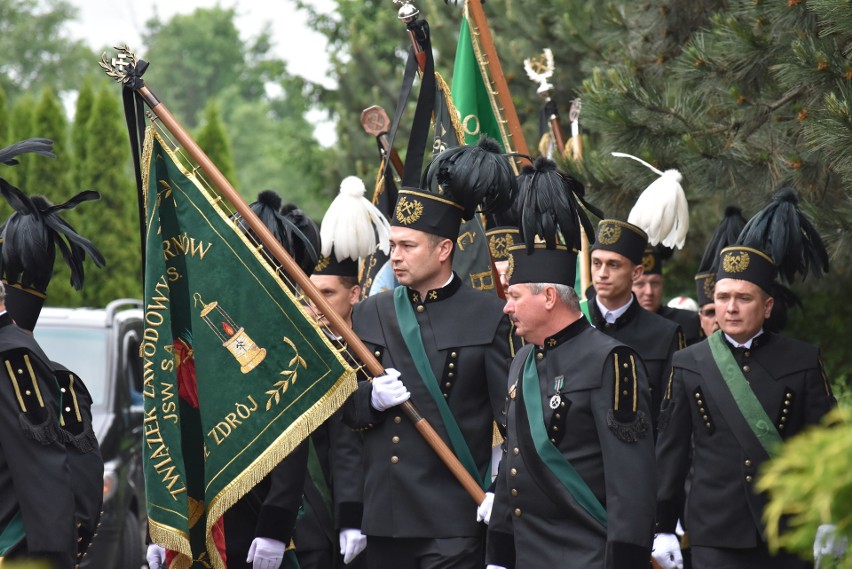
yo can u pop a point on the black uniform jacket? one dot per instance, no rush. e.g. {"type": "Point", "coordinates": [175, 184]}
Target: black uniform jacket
{"type": "Point", "coordinates": [601, 424]}
{"type": "Point", "coordinates": [408, 491]}
{"type": "Point", "coordinates": [34, 475]}
{"type": "Point", "coordinates": [655, 339]}
{"type": "Point", "coordinates": [688, 321]}
{"type": "Point", "coordinates": [84, 455]}
{"type": "Point", "coordinates": [699, 416]}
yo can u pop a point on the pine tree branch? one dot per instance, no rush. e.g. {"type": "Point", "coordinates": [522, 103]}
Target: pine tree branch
{"type": "Point", "coordinates": [771, 108]}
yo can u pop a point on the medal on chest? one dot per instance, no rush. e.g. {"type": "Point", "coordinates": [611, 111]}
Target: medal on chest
{"type": "Point", "coordinates": [556, 399]}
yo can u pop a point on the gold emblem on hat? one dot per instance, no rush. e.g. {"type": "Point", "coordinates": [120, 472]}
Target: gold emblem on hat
{"type": "Point", "coordinates": [322, 264]}
{"type": "Point", "coordinates": [709, 286]}
{"type": "Point", "coordinates": [735, 262]}
{"type": "Point", "coordinates": [510, 268]}
{"type": "Point", "coordinates": [648, 262]}
{"type": "Point", "coordinates": [408, 210]}
{"type": "Point", "coordinates": [499, 245]}
{"type": "Point", "coordinates": [609, 233]}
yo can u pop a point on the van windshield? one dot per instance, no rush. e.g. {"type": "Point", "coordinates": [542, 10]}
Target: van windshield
{"type": "Point", "coordinates": [81, 350]}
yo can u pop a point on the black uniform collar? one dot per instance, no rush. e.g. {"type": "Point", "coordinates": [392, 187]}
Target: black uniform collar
{"type": "Point", "coordinates": [436, 294]}
{"type": "Point", "coordinates": [570, 331]}
{"type": "Point", "coordinates": [756, 343]}
{"type": "Point", "coordinates": [623, 320]}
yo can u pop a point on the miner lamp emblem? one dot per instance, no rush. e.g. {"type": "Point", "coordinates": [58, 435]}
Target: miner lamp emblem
{"type": "Point", "coordinates": [233, 336]}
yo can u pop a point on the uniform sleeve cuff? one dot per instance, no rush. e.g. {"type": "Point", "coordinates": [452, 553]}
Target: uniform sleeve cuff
{"type": "Point", "coordinates": [276, 523]}
{"type": "Point", "coordinates": [620, 555]}
{"type": "Point", "coordinates": [668, 513]}
{"type": "Point", "coordinates": [500, 549]}
{"type": "Point", "coordinates": [349, 515]}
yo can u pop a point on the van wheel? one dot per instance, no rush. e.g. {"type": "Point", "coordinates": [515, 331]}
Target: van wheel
{"type": "Point", "coordinates": [130, 551]}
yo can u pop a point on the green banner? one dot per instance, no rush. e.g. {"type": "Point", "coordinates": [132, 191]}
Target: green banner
{"type": "Point", "coordinates": [471, 94]}
{"type": "Point", "coordinates": [236, 374]}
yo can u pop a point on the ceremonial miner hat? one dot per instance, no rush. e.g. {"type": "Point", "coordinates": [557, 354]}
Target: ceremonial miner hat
{"type": "Point", "coordinates": [305, 251]}
{"type": "Point", "coordinates": [29, 239]}
{"type": "Point", "coordinates": [458, 182]}
{"type": "Point", "coordinates": [500, 239]}
{"type": "Point", "coordinates": [621, 237]}
{"type": "Point", "coordinates": [726, 234]}
{"type": "Point", "coordinates": [551, 221]}
{"type": "Point", "coordinates": [653, 257]}
{"type": "Point", "coordinates": [779, 240]}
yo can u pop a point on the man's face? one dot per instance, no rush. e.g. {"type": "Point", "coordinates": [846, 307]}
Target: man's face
{"type": "Point", "coordinates": [741, 308]}
{"type": "Point", "coordinates": [612, 274]}
{"type": "Point", "coordinates": [649, 291]}
{"type": "Point", "coordinates": [414, 259]}
{"type": "Point", "coordinates": [527, 312]}
{"type": "Point", "coordinates": [337, 294]}
{"type": "Point", "coordinates": [707, 318]}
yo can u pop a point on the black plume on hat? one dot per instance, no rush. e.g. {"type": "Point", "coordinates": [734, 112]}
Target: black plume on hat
{"type": "Point", "coordinates": [474, 176]}
{"type": "Point", "coordinates": [785, 234]}
{"type": "Point", "coordinates": [282, 226]}
{"type": "Point", "coordinates": [511, 216]}
{"type": "Point", "coordinates": [307, 248]}
{"type": "Point", "coordinates": [550, 207]}
{"type": "Point", "coordinates": [32, 234]}
{"type": "Point", "coordinates": [726, 234]}
{"type": "Point", "coordinates": [43, 146]}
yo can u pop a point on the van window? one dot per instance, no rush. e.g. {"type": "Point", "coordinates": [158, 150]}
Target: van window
{"type": "Point", "coordinates": [81, 350]}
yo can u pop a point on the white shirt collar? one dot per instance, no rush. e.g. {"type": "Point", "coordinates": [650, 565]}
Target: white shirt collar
{"type": "Point", "coordinates": [612, 315]}
{"type": "Point", "coordinates": [746, 344]}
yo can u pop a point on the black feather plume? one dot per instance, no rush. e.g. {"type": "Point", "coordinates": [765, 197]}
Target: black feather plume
{"type": "Point", "coordinates": [511, 216]}
{"type": "Point", "coordinates": [550, 207]}
{"type": "Point", "coordinates": [725, 235]}
{"type": "Point", "coordinates": [41, 146]}
{"type": "Point", "coordinates": [475, 176]}
{"type": "Point", "coordinates": [785, 300]}
{"type": "Point", "coordinates": [784, 233]}
{"type": "Point", "coordinates": [32, 234]}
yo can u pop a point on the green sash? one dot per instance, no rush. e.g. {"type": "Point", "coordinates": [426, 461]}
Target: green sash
{"type": "Point", "coordinates": [12, 534]}
{"type": "Point", "coordinates": [748, 404]}
{"type": "Point", "coordinates": [547, 451]}
{"type": "Point", "coordinates": [410, 331]}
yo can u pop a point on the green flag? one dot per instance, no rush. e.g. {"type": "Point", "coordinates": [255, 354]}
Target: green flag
{"type": "Point", "coordinates": [476, 105]}
{"type": "Point", "coordinates": [236, 374]}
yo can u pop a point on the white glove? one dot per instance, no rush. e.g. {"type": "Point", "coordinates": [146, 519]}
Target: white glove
{"type": "Point", "coordinates": [388, 391]}
{"type": "Point", "coordinates": [352, 542]}
{"type": "Point", "coordinates": [489, 566]}
{"type": "Point", "coordinates": [156, 556]}
{"type": "Point", "coordinates": [827, 544]}
{"type": "Point", "coordinates": [266, 553]}
{"type": "Point", "coordinates": [666, 551]}
{"type": "Point", "coordinates": [483, 512]}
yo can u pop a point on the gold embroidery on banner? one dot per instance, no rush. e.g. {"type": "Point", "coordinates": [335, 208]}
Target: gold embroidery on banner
{"type": "Point", "coordinates": [735, 262]}
{"type": "Point", "coordinates": [233, 336]}
{"type": "Point", "coordinates": [609, 233]}
{"type": "Point", "coordinates": [290, 375]}
{"type": "Point", "coordinates": [408, 211]}
{"type": "Point", "coordinates": [482, 281]}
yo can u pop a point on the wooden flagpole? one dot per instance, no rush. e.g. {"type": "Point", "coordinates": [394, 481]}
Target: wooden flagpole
{"type": "Point", "coordinates": [121, 69]}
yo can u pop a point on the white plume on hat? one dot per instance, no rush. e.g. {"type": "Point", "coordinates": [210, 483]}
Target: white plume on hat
{"type": "Point", "coordinates": [352, 225]}
{"type": "Point", "coordinates": [661, 210]}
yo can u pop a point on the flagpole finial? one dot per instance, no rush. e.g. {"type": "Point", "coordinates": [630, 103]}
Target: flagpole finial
{"type": "Point", "coordinates": [539, 70]}
{"type": "Point", "coordinates": [120, 66]}
{"type": "Point", "coordinates": [408, 12]}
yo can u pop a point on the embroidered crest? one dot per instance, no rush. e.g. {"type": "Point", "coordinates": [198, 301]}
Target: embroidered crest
{"type": "Point", "coordinates": [322, 264]}
{"type": "Point", "coordinates": [511, 268]}
{"type": "Point", "coordinates": [408, 210]}
{"type": "Point", "coordinates": [710, 286]}
{"type": "Point", "coordinates": [648, 262]}
{"type": "Point", "coordinates": [499, 245]}
{"type": "Point", "coordinates": [735, 262]}
{"type": "Point", "coordinates": [609, 233]}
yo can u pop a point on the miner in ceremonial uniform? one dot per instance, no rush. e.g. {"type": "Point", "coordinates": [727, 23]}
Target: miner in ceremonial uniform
{"type": "Point", "coordinates": [447, 347]}
{"type": "Point", "coordinates": [613, 308]}
{"type": "Point", "coordinates": [576, 485]}
{"type": "Point", "coordinates": [649, 288]}
{"type": "Point", "coordinates": [734, 399]}
{"type": "Point", "coordinates": [51, 471]}
{"type": "Point", "coordinates": [329, 534]}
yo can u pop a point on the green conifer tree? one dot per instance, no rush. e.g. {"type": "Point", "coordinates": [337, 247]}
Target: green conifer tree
{"type": "Point", "coordinates": [80, 134]}
{"type": "Point", "coordinates": [213, 140]}
{"type": "Point", "coordinates": [21, 127]}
